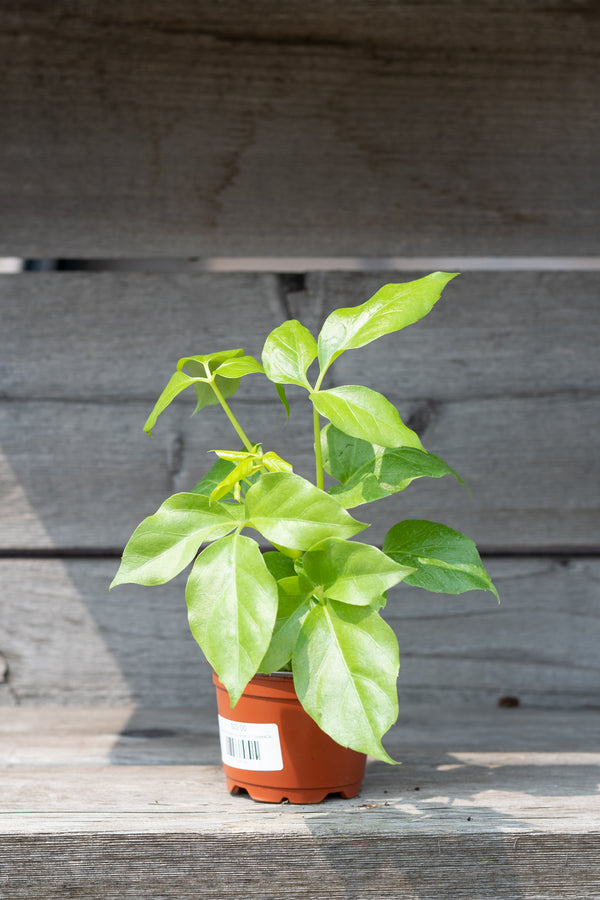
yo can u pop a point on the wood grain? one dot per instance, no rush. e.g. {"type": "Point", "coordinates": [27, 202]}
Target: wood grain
{"type": "Point", "coordinates": [487, 803]}
{"type": "Point", "coordinates": [141, 736]}
{"type": "Point", "coordinates": [370, 867]}
{"type": "Point", "coordinates": [82, 476]}
{"type": "Point", "coordinates": [118, 334]}
{"type": "Point", "coordinates": [501, 380]}
{"type": "Point", "coordinates": [66, 640]}
{"type": "Point", "coordinates": [303, 128]}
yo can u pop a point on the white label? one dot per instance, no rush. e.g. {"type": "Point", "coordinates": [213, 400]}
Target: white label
{"type": "Point", "coordinates": [245, 745]}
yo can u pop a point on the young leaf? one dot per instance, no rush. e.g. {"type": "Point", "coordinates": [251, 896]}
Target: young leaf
{"type": "Point", "coordinates": [196, 376]}
{"type": "Point", "coordinates": [217, 472]}
{"type": "Point", "coordinates": [294, 602]}
{"type": "Point", "coordinates": [232, 605]}
{"type": "Point", "coordinates": [445, 561]}
{"type": "Point", "coordinates": [242, 471]}
{"type": "Point", "coordinates": [290, 511]}
{"type": "Point", "coordinates": [196, 365]}
{"type": "Point", "coordinates": [393, 307]}
{"type": "Point", "coordinates": [237, 368]}
{"type": "Point", "coordinates": [345, 667]}
{"type": "Point", "coordinates": [351, 572]}
{"type": "Point", "coordinates": [369, 472]}
{"type": "Point", "coordinates": [274, 463]}
{"type": "Point", "coordinates": [166, 542]}
{"type": "Point", "coordinates": [205, 396]}
{"type": "Point", "coordinates": [177, 383]}
{"type": "Point", "coordinates": [288, 352]}
{"type": "Point", "coordinates": [237, 456]}
{"type": "Point", "coordinates": [365, 414]}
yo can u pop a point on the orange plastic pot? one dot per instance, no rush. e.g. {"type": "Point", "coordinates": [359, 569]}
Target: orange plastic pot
{"type": "Point", "coordinates": [272, 749]}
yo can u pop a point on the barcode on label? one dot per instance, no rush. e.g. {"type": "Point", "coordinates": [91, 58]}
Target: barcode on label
{"type": "Point", "coordinates": [247, 745]}
{"type": "Point", "coordinates": [241, 749]}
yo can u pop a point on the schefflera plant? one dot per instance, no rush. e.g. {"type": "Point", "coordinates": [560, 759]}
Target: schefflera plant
{"type": "Point", "coordinates": [313, 603]}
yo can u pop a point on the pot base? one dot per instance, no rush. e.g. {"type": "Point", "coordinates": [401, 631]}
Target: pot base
{"type": "Point", "coordinates": [300, 795]}
{"type": "Point", "coordinates": [291, 757]}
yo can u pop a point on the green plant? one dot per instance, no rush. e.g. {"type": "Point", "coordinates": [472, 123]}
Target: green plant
{"type": "Point", "coordinates": [312, 604]}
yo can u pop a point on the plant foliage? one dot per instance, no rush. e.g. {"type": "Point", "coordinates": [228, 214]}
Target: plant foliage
{"type": "Point", "coordinates": [313, 603]}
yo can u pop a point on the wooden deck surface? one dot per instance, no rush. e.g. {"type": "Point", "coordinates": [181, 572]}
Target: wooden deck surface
{"type": "Point", "coordinates": [488, 802]}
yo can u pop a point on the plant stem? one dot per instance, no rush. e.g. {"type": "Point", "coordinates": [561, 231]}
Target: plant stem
{"type": "Point", "coordinates": [318, 454]}
{"type": "Point", "coordinates": [317, 430]}
{"type": "Point", "coordinates": [319, 380]}
{"type": "Point", "coordinates": [231, 417]}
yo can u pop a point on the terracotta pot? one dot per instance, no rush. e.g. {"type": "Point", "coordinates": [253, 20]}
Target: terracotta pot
{"type": "Point", "coordinates": [272, 749]}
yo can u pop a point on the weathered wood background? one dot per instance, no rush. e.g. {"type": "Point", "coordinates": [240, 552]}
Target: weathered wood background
{"type": "Point", "coordinates": [355, 129]}
{"type": "Point", "coordinates": [299, 128]}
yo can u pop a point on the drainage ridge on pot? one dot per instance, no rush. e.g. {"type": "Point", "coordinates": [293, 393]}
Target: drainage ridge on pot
{"type": "Point", "coordinates": [272, 749]}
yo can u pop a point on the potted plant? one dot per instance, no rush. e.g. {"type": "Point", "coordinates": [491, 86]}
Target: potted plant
{"type": "Point", "coordinates": [310, 607]}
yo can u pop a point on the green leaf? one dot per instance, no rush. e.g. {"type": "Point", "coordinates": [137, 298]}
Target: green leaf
{"type": "Point", "coordinates": [196, 376]}
{"type": "Point", "coordinates": [365, 414]}
{"type": "Point", "coordinates": [445, 561]}
{"type": "Point", "coordinates": [345, 668]}
{"type": "Point", "coordinates": [369, 472]}
{"type": "Point", "coordinates": [294, 603]}
{"type": "Point", "coordinates": [287, 551]}
{"type": "Point", "coordinates": [237, 456]}
{"type": "Point", "coordinates": [274, 463]}
{"type": "Point", "coordinates": [232, 605]}
{"type": "Point", "coordinates": [393, 307]}
{"type": "Point", "coordinates": [279, 565]}
{"type": "Point", "coordinates": [290, 511]}
{"type": "Point", "coordinates": [205, 396]}
{"type": "Point", "coordinates": [166, 542]}
{"type": "Point", "coordinates": [241, 472]}
{"type": "Point", "coordinates": [288, 352]}
{"type": "Point", "coordinates": [352, 572]}
{"type": "Point", "coordinates": [215, 475]}
{"type": "Point", "coordinates": [281, 394]}
{"type": "Point", "coordinates": [177, 383]}
{"type": "Point", "coordinates": [237, 368]}
{"type": "Point", "coordinates": [196, 365]}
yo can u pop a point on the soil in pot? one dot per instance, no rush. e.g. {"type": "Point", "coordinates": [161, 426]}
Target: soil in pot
{"type": "Point", "coordinates": [272, 749]}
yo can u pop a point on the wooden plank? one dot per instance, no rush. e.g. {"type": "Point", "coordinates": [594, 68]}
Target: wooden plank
{"type": "Point", "coordinates": [501, 380]}
{"type": "Point", "coordinates": [115, 335]}
{"type": "Point", "coordinates": [65, 639]}
{"type": "Point", "coordinates": [139, 736]}
{"type": "Point", "coordinates": [82, 475]}
{"type": "Point", "coordinates": [488, 803]}
{"type": "Point", "coordinates": [492, 335]}
{"type": "Point", "coordinates": [309, 128]}
{"type": "Point", "coordinates": [78, 475]}
{"type": "Point", "coordinates": [119, 335]}
{"type": "Point", "coordinates": [193, 866]}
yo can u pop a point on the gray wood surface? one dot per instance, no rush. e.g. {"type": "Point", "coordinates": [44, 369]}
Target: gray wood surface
{"type": "Point", "coordinates": [101, 336]}
{"type": "Point", "coordinates": [501, 380]}
{"type": "Point", "coordinates": [65, 639]}
{"type": "Point", "coordinates": [82, 476]}
{"type": "Point", "coordinates": [487, 803]}
{"type": "Point", "coordinates": [299, 128]}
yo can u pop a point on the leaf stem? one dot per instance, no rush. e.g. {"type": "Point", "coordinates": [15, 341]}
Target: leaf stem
{"type": "Point", "coordinates": [318, 454]}
{"type": "Point", "coordinates": [231, 417]}
{"type": "Point", "coordinates": [319, 380]}
{"type": "Point", "coordinates": [317, 430]}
